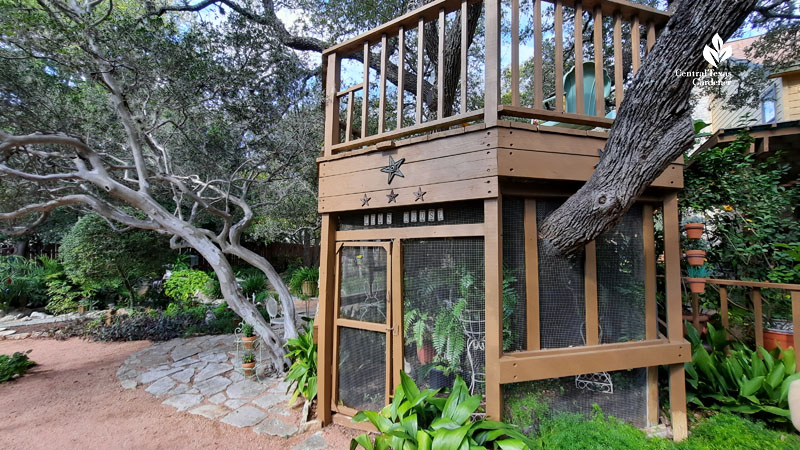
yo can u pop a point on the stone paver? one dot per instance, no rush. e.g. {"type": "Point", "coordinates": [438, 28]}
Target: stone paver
{"type": "Point", "coordinates": [246, 416]}
{"type": "Point", "coordinates": [276, 427]}
{"type": "Point", "coordinates": [197, 375]}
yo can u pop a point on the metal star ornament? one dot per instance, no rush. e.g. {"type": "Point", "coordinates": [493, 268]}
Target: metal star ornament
{"type": "Point", "coordinates": [365, 200]}
{"type": "Point", "coordinates": [392, 196]}
{"type": "Point", "coordinates": [419, 195]}
{"type": "Point", "coordinates": [393, 169]}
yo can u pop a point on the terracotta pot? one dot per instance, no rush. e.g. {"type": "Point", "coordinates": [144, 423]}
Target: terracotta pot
{"type": "Point", "coordinates": [773, 338]}
{"type": "Point", "coordinates": [249, 341]}
{"type": "Point", "coordinates": [696, 285]}
{"type": "Point", "coordinates": [309, 288]}
{"type": "Point", "coordinates": [696, 257]}
{"type": "Point", "coordinates": [694, 230]}
{"type": "Point", "coordinates": [249, 369]}
{"type": "Point", "coordinates": [425, 354]}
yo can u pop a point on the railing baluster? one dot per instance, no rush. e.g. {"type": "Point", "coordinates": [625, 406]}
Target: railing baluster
{"type": "Point", "coordinates": [559, 61]}
{"type": "Point", "coordinates": [515, 52]}
{"type": "Point", "coordinates": [696, 312]}
{"type": "Point", "coordinates": [651, 36]}
{"type": "Point", "coordinates": [636, 45]}
{"type": "Point", "coordinates": [348, 130]}
{"type": "Point", "coordinates": [401, 72]}
{"type": "Point", "coordinates": [365, 95]}
{"type": "Point", "coordinates": [464, 60]}
{"type": "Point", "coordinates": [758, 317]}
{"type": "Point", "coordinates": [492, 75]}
{"type": "Point", "coordinates": [723, 308]}
{"type": "Point", "coordinates": [579, 107]}
{"type": "Point", "coordinates": [332, 104]}
{"type": "Point", "coordinates": [618, 79]}
{"type": "Point", "coordinates": [538, 88]}
{"type": "Point", "coordinates": [440, 68]}
{"type": "Point", "coordinates": [420, 66]}
{"type": "Point", "coordinates": [600, 101]}
{"type": "Point", "coordinates": [382, 101]}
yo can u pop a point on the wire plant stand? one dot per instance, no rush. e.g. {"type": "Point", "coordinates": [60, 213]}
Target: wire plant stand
{"type": "Point", "coordinates": [260, 369]}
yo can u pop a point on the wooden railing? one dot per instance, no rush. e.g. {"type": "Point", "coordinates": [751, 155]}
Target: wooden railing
{"type": "Point", "coordinates": [756, 299]}
{"type": "Point", "coordinates": [449, 20]}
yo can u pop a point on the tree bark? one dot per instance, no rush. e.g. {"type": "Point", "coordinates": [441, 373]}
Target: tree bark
{"type": "Point", "coordinates": [653, 126]}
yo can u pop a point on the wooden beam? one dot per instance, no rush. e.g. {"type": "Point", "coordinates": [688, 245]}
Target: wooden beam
{"type": "Point", "coordinates": [324, 320]}
{"type": "Point", "coordinates": [696, 312]}
{"type": "Point", "coordinates": [559, 58]}
{"type": "Point", "coordinates": [590, 295]}
{"type": "Point", "coordinates": [348, 129]}
{"type": "Point", "coordinates": [599, 82]}
{"type": "Point", "coordinates": [365, 96]}
{"type": "Point", "coordinates": [542, 114]}
{"type": "Point", "coordinates": [440, 68]}
{"type": "Point", "coordinates": [401, 75]}
{"type": "Point", "coordinates": [420, 67]}
{"type": "Point", "coordinates": [331, 104]}
{"type": "Point", "coordinates": [579, 101]}
{"type": "Point", "coordinates": [650, 307]}
{"type": "Point", "coordinates": [538, 84]}
{"type": "Point", "coordinates": [397, 337]}
{"type": "Point", "coordinates": [382, 99]}
{"type": "Point", "coordinates": [723, 309]}
{"type": "Point", "coordinates": [515, 52]}
{"type": "Point", "coordinates": [570, 361]}
{"type": "Point", "coordinates": [531, 277]}
{"type": "Point", "coordinates": [758, 316]}
{"type": "Point", "coordinates": [672, 256]}
{"type": "Point", "coordinates": [434, 231]}
{"type": "Point", "coordinates": [493, 256]}
{"type": "Point", "coordinates": [464, 55]}
{"type": "Point", "coordinates": [618, 58]}
{"type": "Point", "coordinates": [636, 46]}
{"type": "Point", "coordinates": [492, 64]}
{"type": "Point", "coordinates": [651, 37]}
{"type": "Point", "coordinates": [754, 284]}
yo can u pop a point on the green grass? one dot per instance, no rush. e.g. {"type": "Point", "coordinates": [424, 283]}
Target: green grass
{"type": "Point", "coordinates": [719, 432]}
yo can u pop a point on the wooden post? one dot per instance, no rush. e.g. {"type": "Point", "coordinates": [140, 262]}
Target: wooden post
{"type": "Point", "coordinates": [464, 57]}
{"type": "Point", "coordinates": [382, 95]}
{"type": "Point", "coordinates": [492, 75]}
{"type": "Point", "coordinates": [365, 93]}
{"type": "Point", "coordinates": [493, 256]}
{"type": "Point", "coordinates": [559, 61]}
{"type": "Point", "coordinates": [579, 104]}
{"type": "Point", "coordinates": [420, 66]}
{"type": "Point", "coordinates": [324, 319]}
{"type": "Point", "coordinates": [618, 78]}
{"type": "Point", "coordinates": [672, 256]}
{"type": "Point", "coordinates": [538, 87]}
{"type": "Point", "coordinates": [590, 295]}
{"type": "Point", "coordinates": [650, 307]}
{"type": "Point", "coordinates": [796, 318]}
{"type": "Point", "coordinates": [758, 317]}
{"type": "Point", "coordinates": [440, 68]}
{"type": "Point", "coordinates": [636, 46]}
{"type": "Point", "coordinates": [532, 276]}
{"type": "Point", "coordinates": [723, 309]}
{"type": "Point", "coordinates": [696, 312]}
{"type": "Point", "coordinates": [331, 104]}
{"type": "Point", "coordinates": [515, 52]}
{"type": "Point", "coordinates": [599, 82]}
{"type": "Point", "coordinates": [401, 74]}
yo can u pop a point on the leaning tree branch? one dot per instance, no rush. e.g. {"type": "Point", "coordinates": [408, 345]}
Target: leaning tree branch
{"type": "Point", "coordinates": [653, 126]}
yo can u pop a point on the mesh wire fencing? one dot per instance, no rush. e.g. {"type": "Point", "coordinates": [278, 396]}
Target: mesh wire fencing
{"type": "Point", "coordinates": [362, 369]}
{"type": "Point", "coordinates": [443, 311]}
{"type": "Point", "coordinates": [362, 292]}
{"type": "Point", "coordinates": [514, 307]}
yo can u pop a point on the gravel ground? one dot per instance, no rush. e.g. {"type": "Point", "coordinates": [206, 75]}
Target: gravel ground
{"type": "Point", "coordinates": [73, 400]}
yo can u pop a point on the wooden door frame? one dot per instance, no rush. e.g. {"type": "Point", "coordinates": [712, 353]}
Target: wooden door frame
{"type": "Point", "coordinates": [339, 322]}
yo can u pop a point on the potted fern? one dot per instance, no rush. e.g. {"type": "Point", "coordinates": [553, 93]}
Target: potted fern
{"type": "Point", "coordinates": [697, 278]}
{"type": "Point", "coordinates": [419, 325]}
{"type": "Point", "coordinates": [304, 281]}
{"type": "Point", "coordinates": [248, 336]}
{"type": "Point", "coordinates": [249, 364]}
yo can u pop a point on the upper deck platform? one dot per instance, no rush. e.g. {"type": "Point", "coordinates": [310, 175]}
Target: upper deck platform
{"type": "Point", "coordinates": [455, 86]}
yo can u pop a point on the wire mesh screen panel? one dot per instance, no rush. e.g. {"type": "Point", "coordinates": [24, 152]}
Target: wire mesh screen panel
{"type": "Point", "coordinates": [620, 280]}
{"type": "Point", "coordinates": [514, 306]}
{"type": "Point", "coordinates": [362, 289]}
{"type": "Point", "coordinates": [622, 394]}
{"type": "Point", "coordinates": [457, 213]}
{"type": "Point", "coordinates": [562, 308]}
{"type": "Point", "coordinates": [443, 311]}
{"type": "Point", "coordinates": [362, 369]}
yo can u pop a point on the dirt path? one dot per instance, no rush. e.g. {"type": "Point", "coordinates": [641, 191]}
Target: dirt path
{"type": "Point", "coordinates": [72, 400]}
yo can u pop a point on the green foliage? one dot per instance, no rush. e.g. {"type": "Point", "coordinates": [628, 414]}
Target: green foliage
{"type": "Point", "coordinates": [23, 281]}
{"type": "Point", "coordinates": [16, 364]}
{"type": "Point", "coordinates": [141, 327]}
{"type": "Point", "coordinates": [183, 284]}
{"type": "Point", "coordinates": [64, 296]}
{"type": "Point", "coordinates": [526, 411]}
{"type": "Point", "coordinates": [302, 375]}
{"type": "Point", "coordinates": [750, 204]}
{"type": "Point", "coordinates": [741, 381]}
{"type": "Point", "coordinates": [247, 330]}
{"type": "Point", "coordinates": [698, 271]}
{"type": "Point", "coordinates": [253, 284]}
{"type": "Point", "coordinates": [248, 358]}
{"type": "Point", "coordinates": [728, 431]}
{"type": "Point", "coordinates": [97, 257]}
{"type": "Point", "coordinates": [301, 275]}
{"type": "Point", "coordinates": [421, 420]}
{"type": "Point", "coordinates": [419, 325]}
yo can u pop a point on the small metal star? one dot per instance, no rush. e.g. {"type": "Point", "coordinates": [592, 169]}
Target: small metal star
{"type": "Point", "coordinates": [393, 169]}
{"type": "Point", "coordinates": [420, 195]}
{"type": "Point", "coordinates": [392, 196]}
{"type": "Point", "coordinates": [365, 200]}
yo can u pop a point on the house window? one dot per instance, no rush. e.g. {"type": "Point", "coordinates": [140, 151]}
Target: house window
{"type": "Point", "coordinates": [768, 106]}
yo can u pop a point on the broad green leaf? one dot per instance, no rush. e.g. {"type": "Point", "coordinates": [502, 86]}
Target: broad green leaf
{"type": "Point", "coordinates": [362, 440]}
{"type": "Point", "coordinates": [512, 444]}
{"type": "Point", "coordinates": [424, 441]}
{"type": "Point", "coordinates": [750, 387]}
{"type": "Point", "coordinates": [445, 439]}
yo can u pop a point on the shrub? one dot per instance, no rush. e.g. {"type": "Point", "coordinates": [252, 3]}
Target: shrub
{"type": "Point", "coordinates": [741, 380]}
{"type": "Point", "coordinates": [575, 432]}
{"type": "Point", "coordinates": [422, 420]}
{"type": "Point", "coordinates": [23, 281]}
{"type": "Point", "coordinates": [183, 284]}
{"type": "Point", "coordinates": [728, 431]}
{"type": "Point", "coordinates": [253, 284]}
{"type": "Point", "coordinates": [302, 375]}
{"type": "Point", "coordinates": [143, 327]}
{"type": "Point", "coordinates": [64, 296]}
{"type": "Point", "coordinates": [16, 364]}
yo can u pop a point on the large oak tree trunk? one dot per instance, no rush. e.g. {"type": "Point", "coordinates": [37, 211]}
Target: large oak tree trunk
{"type": "Point", "coordinates": [653, 126]}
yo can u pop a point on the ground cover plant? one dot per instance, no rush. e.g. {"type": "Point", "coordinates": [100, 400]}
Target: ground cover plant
{"type": "Point", "coordinates": [16, 364]}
